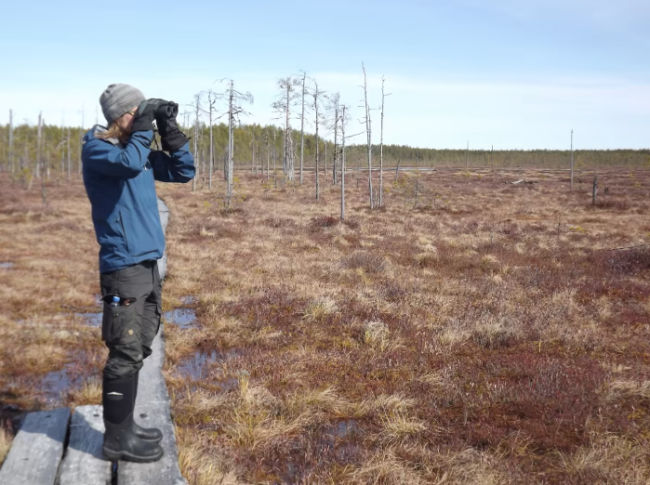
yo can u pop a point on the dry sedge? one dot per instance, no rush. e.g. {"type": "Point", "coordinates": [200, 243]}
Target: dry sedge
{"type": "Point", "coordinates": [6, 439]}
{"type": "Point", "coordinates": [472, 331]}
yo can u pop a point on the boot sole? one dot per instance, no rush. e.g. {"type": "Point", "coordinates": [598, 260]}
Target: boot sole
{"type": "Point", "coordinates": [126, 456]}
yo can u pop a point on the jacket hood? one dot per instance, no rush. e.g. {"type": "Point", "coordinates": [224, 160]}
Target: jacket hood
{"type": "Point", "coordinates": [100, 129]}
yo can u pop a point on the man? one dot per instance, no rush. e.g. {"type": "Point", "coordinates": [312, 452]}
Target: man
{"type": "Point", "coordinates": [119, 170]}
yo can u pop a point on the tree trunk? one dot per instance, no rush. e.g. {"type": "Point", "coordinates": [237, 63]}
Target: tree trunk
{"type": "Point", "coordinates": [368, 135]}
{"type": "Point", "coordinates": [381, 149]}
{"type": "Point", "coordinates": [302, 127]}
{"type": "Point", "coordinates": [211, 154]}
{"type": "Point", "coordinates": [571, 159]}
{"type": "Point", "coordinates": [69, 161]}
{"type": "Point", "coordinates": [268, 158]}
{"type": "Point", "coordinates": [336, 132]}
{"type": "Point", "coordinates": [231, 144]}
{"type": "Point", "coordinates": [343, 165]}
{"type": "Point", "coordinates": [39, 159]}
{"type": "Point", "coordinates": [317, 167]}
{"type": "Point", "coordinates": [11, 141]}
{"type": "Point", "coordinates": [196, 141]}
{"type": "Point", "coordinates": [81, 136]}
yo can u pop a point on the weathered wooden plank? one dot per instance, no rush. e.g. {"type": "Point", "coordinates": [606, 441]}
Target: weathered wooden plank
{"type": "Point", "coordinates": [163, 211]}
{"type": "Point", "coordinates": [37, 449]}
{"type": "Point", "coordinates": [84, 463]}
{"type": "Point", "coordinates": [152, 409]}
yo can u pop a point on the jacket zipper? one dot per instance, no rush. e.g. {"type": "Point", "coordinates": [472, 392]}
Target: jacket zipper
{"type": "Point", "coordinates": [126, 239]}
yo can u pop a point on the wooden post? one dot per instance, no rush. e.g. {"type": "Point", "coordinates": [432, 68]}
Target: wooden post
{"type": "Point", "coordinates": [11, 140]}
{"type": "Point", "coordinates": [69, 161]}
{"type": "Point", "coordinates": [399, 160]}
{"type": "Point", "coordinates": [40, 159]}
{"type": "Point", "coordinates": [571, 159]}
{"type": "Point", "coordinates": [467, 157]}
{"type": "Point", "coordinates": [594, 194]}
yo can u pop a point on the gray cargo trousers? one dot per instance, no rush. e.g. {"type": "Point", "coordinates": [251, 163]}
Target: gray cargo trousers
{"type": "Point", "coordinates": [129, 329]}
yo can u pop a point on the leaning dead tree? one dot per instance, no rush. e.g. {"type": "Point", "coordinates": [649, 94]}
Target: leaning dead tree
{"type": "Point", "coordinates": [287, 100]}
{"type": "Point", "coordinates": [368, 134]}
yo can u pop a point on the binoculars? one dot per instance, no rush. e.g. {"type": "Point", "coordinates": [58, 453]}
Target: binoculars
{"type": "Point", "coordinates": [161, 107]}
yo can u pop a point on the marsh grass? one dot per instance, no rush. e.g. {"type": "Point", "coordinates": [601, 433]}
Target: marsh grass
{"type": "Point", "coordinates": [471, 332]}
{"type": "Point", "coordinates": [6, 438]}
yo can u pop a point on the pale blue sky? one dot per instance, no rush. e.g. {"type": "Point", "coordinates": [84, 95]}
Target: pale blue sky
{"type": "Point", "coordinates": [513, 74]}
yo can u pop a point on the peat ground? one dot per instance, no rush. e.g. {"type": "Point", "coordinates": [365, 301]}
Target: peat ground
{"type": "Point", "coordinates": [471, 331]}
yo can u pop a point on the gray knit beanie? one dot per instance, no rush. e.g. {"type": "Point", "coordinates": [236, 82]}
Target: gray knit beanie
{"type": "Point", "coordinates": [117, 99]}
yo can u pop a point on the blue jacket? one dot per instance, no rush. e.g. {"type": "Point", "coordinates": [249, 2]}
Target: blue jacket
{"type": "Point", "coordinates": [119, 181]}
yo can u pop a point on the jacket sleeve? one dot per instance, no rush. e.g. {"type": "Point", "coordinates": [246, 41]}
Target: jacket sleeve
{"type": "Point", "coordinates": [178, 166]}
{"type": "Point", "coordinates": [126, 162]}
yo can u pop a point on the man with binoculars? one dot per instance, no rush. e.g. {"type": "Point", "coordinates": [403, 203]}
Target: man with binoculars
{"type": "Point", "coordinates": [119, 170]}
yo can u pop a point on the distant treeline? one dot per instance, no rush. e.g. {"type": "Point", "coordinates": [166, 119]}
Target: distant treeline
{"type": "Point", "coordinates": [62, 146]}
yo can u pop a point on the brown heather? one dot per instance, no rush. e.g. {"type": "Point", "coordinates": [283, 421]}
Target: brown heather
{"type": "Point", "coordinates": [471, 332]}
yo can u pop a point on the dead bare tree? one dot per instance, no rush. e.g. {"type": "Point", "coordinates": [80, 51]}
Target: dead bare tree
{"type": "Point", "coordinates": [268, 154]}
{"type": "Point", "coordinates": [252, 145]}
{"type": "Point", "coordinates": [197, 109]}
{"type": "Point", "coordinates": [343, 123]}
{"type": "Point", "coordinates": [287, 99]}
{"type": "Point", "coordinates": [334, 108]}
{"type": "Point", "coordinates": [234, 111]}
{"type": "Point", "coordinates": [67, 141]}
{"type": "Point", "coordinates": [571, 159]}
{"type": "Point", "coordinates": [381, 147]}
{"type": "Point", "coordinates": [11, 141]}
{"type": "Point", "coordinates": [81, 136]}
{"type": "Point", "coordinates": [211, 102]}
{"type": "Point", "coordinates": [40, 161]}
{"type": "Point", "coordinates": [316, 93]}
{"type": "Point", "coordinates": [368, 134]}
{"type": "Point", "coordinates": [302, 126]}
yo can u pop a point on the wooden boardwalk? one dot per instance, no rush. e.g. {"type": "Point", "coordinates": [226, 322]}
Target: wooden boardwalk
{"type": "Point", "coordinates": [64, 447]}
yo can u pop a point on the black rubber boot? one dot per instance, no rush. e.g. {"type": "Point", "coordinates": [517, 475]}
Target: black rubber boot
{"type": "Point", "coordinates": [120, 441]}
{"type": "Point", "coordinates": [147, 434]}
